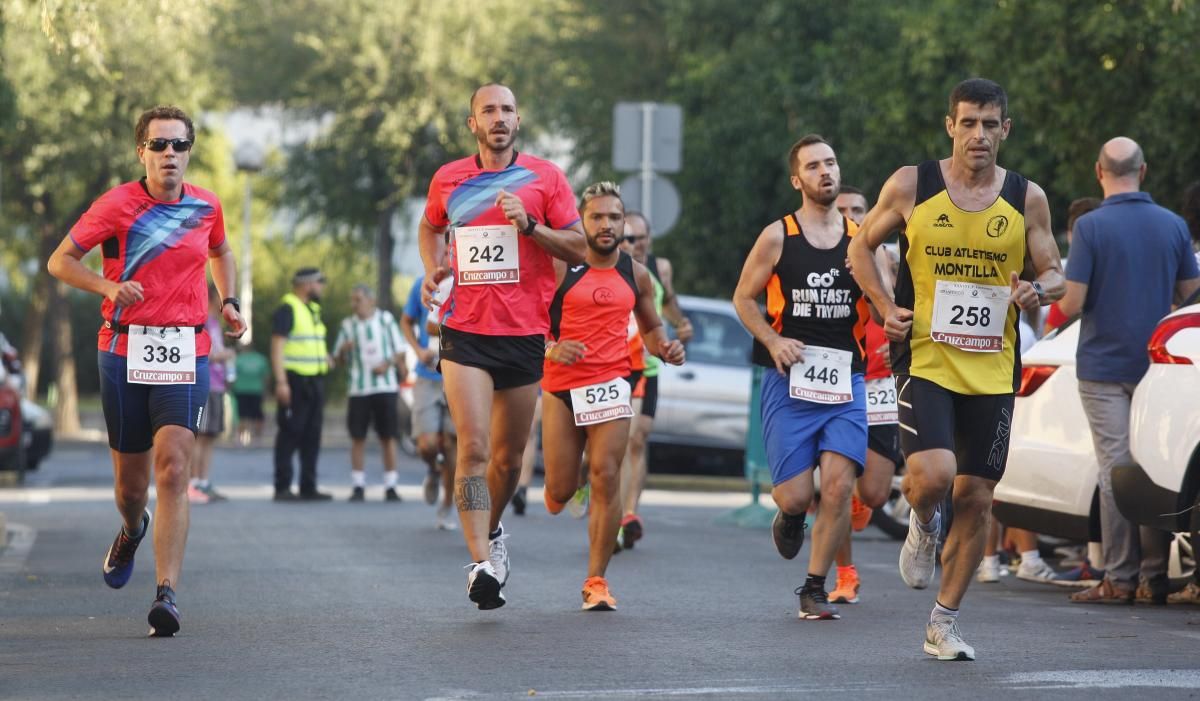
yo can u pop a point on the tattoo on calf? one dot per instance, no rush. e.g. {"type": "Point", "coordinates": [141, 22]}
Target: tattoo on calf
{"type": "Point", "coordinates": [471, 494]}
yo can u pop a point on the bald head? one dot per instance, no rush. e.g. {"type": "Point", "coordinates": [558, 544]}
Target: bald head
{"type": "Point", "coordinates": [1121, 158]}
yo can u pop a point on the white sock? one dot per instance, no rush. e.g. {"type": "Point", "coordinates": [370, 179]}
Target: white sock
{"type": "Point", "coordinates": [942, 612]}
{"type": "Point", "coordinates": [934, 525]}
{"type": "Point", "coordinates": [391, 479]}
{"type": "Point", "coordinates": [991, 560]}
{"type": "Point", "coordinates": [358, 477]}
{"type": "Point", "coordinates": [1032, 557]}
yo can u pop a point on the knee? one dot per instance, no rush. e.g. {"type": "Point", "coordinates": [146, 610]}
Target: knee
{"type": "Point", "coordinates": [837, 489]}
{"type": "Point", "coordinates": [131, 493]}
{"type": "Point", "coordinates": [427, 447]}
{"type": "Point", "coordinates": [171, 473]}
{"type": "Point", "coordinates": [973, 503]}
{"type": "Point", "coordinates": [873, 495]}
{"type": "Point", "coordinates": [472, 455]}
{"type": "Point", "coordinates": [791, 503]}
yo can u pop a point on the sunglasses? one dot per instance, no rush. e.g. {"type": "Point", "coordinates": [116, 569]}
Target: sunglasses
{"type": "Point", "coordinates": [635, 238]}
{"type": "Point", "coordinates": [156, 145]}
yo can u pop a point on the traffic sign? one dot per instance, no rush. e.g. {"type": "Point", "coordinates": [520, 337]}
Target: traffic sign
{"type": "Point", "coordinates": [663, 208]}
{"type": "Point", "coordinates": [647, 136]}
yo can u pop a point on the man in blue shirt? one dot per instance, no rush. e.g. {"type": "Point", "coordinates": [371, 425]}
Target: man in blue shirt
{"type": "Point", "coordinates": [431, 421]}
{"type": "Point", "coordinates": [1130, 259]}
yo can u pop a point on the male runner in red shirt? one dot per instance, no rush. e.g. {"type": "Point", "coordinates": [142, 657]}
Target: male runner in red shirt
{"type": "Point", "coordinates": [509, 215]}
{"type": "Point", "coordinates": [156, 235]}
{"type": "Point", "coordinates": [586, 384]}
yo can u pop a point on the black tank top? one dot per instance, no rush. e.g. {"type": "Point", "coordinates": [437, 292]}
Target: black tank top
{"type": "Point", "coordinates": [812, 298]}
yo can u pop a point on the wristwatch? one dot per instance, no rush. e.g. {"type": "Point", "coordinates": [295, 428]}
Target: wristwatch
{"type": "Point", "coordinates": [237, 305]}
{"type": "Point", "coordinates": [1037, 287]}
{"type": "Point", "coordinates": [528, 230]}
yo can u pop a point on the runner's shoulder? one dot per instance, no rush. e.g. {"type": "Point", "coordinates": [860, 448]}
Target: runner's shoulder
{"type": "Point", "coordinates": [532, 162]}
{"type": "Point", "coordinates": [456, 169]}
{"type": "Point", "coordinates": [201, 194]}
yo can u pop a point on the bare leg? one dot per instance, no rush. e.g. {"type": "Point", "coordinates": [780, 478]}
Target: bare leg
{"type": "Point", "coordinates": [833, 518]}
{"type": "Point", "coordinates": [529, 457]}
{"type": "Point", "coordinates": [634, 478]}
{"type": "Point", "coordinates": [469, 395]}
{"type": "Point", "coordinates": [131, 473]}
{"type": "Point", "coordinates": [173, 447]}
{"type": "Point", "coordinates": [564, 444]}
{"type": "Point", "coordinates": [606, 447]}
{"type": "Point", "coordinates": [512, 416]}
{"type": "Point", "coordinates": [968, 533]}
{"type": "Point", "coordinates": [358, 448]}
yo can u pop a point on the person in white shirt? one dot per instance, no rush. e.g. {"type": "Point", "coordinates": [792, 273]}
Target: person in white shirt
{"type": "Point", "coordinates": [370, 343]}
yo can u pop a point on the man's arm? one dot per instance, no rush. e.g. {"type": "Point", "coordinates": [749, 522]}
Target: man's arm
{"type": "Point", "coordinates": [431, 241]}
{"type": "Point", "coordinates": [1072, 302]}
{"type": "Point", "coordinates": [224, 274]}
{"type": "Point", "coordinates": [670, 309]}
{"type": "Point", "coordinates": [648, 321]}
{"type": "Point", "coordinates": [66, 264]}
{"type": "Point", "coordinates": [1184, 289]}
{"type": "Point", "coordinates": [568, 244]}
{"type": "Point", "coordinates": [1043, 255]}
{"type": "Point", "coordinates": [756, 272]}
{"type": "Point", "coordinates": [895, 205]}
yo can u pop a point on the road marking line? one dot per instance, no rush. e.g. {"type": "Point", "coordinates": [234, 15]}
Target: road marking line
{"type": "Point", "coordinates": [1105, 679]}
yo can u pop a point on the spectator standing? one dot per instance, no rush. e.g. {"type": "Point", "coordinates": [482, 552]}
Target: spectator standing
{"type": "Point", "coordinates": [369, 340]}
{"type": "Point", "coordinates": [248, 387]}
{"type": "Point", "coordinates": [212, 422]}
{"type": "Point", "coordinates": [300, 362]}
{"type": "Point", "coordinates": [1129, 258]}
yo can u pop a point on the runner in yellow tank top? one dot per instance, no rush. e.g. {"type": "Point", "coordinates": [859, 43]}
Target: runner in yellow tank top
{"type": "Point", "coordinates": [971, 230]}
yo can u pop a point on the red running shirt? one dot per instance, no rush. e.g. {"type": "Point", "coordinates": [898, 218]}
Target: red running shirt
{"type": "Point", "coordinates": [164, 246]}
{"type": "Point", "coordinates": [876, 367]}
{"type": "Point", "coordinates": [462, 193]}
{"type": "Point", "coordinates": [592, 306]}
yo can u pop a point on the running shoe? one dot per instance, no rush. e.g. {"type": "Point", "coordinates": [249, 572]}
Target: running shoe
{"type": "Point", "coordinates": [213, 494]}
{"type": "Point", "coordinates": [846, 591]}
{"type": "Point", "coordinates": [483, 587]}
{"type": "Point", "coordinates": [118, 561]}
{"type": "Point", "coordinates": [498, 555]}
{"type": "Point", "coordinates": [430, 485]}
{"type": "Point", "coordinates": [620, 536]}
{"type": "Point", "coordinates": [358, 494]}
{"type": "Point", "coordinates": [860, 514]}
{"type": "Point", "coordinates": [988, 571]}
{"type": "Point", "coordinates": [815, 606]}
{"type": "Point", "coordinates": [788, 534]}
{"type": "Point", "coordinates": [918, 556]}
{"type": "Point", "coordinates": [943, 641]}
{"type": "Point", "coordinates": [582, 499]}
{"type": "Point", "coordinates": [596, 596]}
{"type": "Point", "coordinates": [1036, 571]}
{"type": "Point", "coordinates": [631, 531]}
{"type": "Point", "coordinates": [196, 496]}
{"type": "Point", "coordinates": [1188, 595]}
{"type": "Point", "coordinates": [164, 615]}
{"type": "Point", "coordinates": [518, 502]}
{"type": "Point", "coordinates": [446, 522]}
{"type": "Point", "coordinates": [1082, 576]}
{"type": "Point", "coordinates": [390, 494]}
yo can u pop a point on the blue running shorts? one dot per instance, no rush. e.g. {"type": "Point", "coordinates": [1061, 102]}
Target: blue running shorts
{"type": "Point", "coordinates": [797, 431]}
{"type": "Point", "coordinates": [134, 413]}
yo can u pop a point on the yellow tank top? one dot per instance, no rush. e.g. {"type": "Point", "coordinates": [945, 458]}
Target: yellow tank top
{"type": "Point", "coordinates": [955, 269]}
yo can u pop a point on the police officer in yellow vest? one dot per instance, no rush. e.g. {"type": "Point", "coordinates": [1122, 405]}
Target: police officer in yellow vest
{"type": "Point", "coordinates": [300, 360]}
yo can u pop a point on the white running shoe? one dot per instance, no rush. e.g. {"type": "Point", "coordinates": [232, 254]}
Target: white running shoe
{"type": "Point", "coordinates": [498, 556]}
{"type": "Point", "coordinates": [918, 556]}
{"type": "Point", "coordinates": [943, 641]}
{"type": "Point", "coordinates": [988, 571]}
{"type": "Point", "coordinates": [1036, 571]}
{"type": "Point", "coordinates": [446, 521]}
{"type": "Point", "coordinates": [580, 502]}
{"type": "Point", "coordinates": [483, 587]}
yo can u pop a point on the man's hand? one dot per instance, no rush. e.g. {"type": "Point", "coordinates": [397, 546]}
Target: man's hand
{"type": "Point", "coordinates": [672, 352]}
{"type": "Point", "coordinates": [785, 352]}
{"type": "Point", "coordinates": [430, 285]}
{"type": "Point", "coordinates": [514, 209]}
{"type": "Point", "coordinates": [381, 368]}
{"type": "Point", "coordinates": [124, 294]}
{"type": "Point", "coordinates": [1023, 295]}
{"type": "Point", "coordinates": [346, 347]}
{"type": "Point", "coordinates": [283, 393]}
{"type": "Point", "coordinates": [566, 352]}
{"type": "Point", "coordinates": [684, 331]}
{"type": "Point", "coordinates": [237, 324]}
{"type": "Point", "coordinates": [426, 356]}
{"type": "Point", "coordinates": [885, 351]}
{"type": "Point", "coordinates": [897, 323]}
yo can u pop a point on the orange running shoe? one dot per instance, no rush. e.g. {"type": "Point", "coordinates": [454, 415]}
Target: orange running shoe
{"type": "Point", "coordinates": [554, 507]}
{"type": "Point", "coordinates": [860, 514]}
{"type": "Point", "coordinates": [846, 591]}
{"type": "Point", "coordinates": [596, 596]}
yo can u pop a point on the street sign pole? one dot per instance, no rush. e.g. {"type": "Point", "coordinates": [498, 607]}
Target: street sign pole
{"type": "Point", "coordinates": [648, 160]}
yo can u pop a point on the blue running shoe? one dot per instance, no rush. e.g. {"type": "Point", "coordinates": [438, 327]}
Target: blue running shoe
{"type": "Point", "coordinates": [164, 616]}
{"type": "Point", "coordinates": [118, 561]}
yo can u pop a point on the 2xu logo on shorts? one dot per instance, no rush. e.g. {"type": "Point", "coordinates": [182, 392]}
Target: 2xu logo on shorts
{"type": "Point", "coordinates": [1000, 445]}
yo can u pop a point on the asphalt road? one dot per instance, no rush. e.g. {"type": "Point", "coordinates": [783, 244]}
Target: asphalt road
{"type": "Point", "coordinates": [368, 601]}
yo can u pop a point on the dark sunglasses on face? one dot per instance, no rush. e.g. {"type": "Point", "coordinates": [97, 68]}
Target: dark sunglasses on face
{"type": "Point", "coordinates": [180, 145]}
{"type": "Point", "coordinates": [633, 238]}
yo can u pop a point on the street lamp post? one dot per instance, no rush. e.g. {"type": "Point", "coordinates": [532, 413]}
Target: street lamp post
{"type": "Point", "coordinates": [249, 161]}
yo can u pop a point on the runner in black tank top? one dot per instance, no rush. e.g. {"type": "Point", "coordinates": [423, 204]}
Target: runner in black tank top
{"type": "Point", "coordinates": [813, 403]}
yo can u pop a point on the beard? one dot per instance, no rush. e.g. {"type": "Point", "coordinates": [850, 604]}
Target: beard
{"type": "Point", "coordinates": [596, 246]}
{"type": "Point", "coordinates": [819, 197]}
{"type": "Point", "coordinates": [495, 142]}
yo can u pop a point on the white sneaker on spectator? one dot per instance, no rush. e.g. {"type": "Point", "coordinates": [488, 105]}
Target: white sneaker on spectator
{"type": "Point", "coordinates": [1032, 570]}
{"type": "Point", "coordinates": [988, 571]}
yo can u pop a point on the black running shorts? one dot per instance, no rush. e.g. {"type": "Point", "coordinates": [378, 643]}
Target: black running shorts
{"type": "Point", "coordinates": [975, 427]}
{"type": "Point", "coordinates": [650, 398]}
{"type": "Point", "coordinates": [512, 361]}
{"type": "Point", "coordinates": [884, 439]}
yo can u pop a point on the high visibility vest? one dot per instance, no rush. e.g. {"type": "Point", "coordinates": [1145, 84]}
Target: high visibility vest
{"type": "Point", "coordinates": [304, 351]}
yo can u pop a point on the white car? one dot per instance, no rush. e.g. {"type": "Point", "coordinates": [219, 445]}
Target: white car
{"type": "Point", "coordinates": [1051, 482]}
{"type": "Point", "coordinates": [1163, 488]}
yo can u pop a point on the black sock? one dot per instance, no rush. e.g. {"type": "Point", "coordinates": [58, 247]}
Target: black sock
{"type": "Point", "coordinates": [815, 582]}
{"type": "Point", "coordinates": [495, 534]}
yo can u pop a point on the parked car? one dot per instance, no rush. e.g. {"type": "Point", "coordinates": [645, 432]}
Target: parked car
{"type": "Point", "coordinates": [1051, 482]}
{"type": "Point", "coordinates": [1163, 488]}
{"type": "Point", "coordinates": [703, 405]}
{"type": "Point", "coordinates": [26, 429]}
